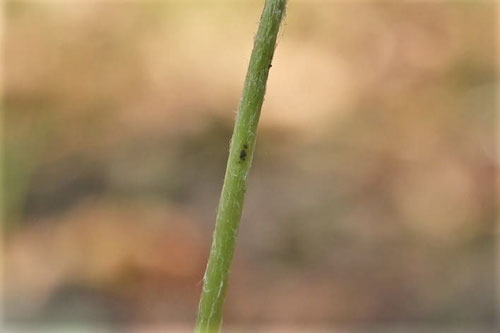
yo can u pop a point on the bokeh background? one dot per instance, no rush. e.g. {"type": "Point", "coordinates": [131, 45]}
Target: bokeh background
{"type": "Point", "coordinates": [371, 200]}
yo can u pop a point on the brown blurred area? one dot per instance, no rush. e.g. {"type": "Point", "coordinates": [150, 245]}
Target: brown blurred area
{"type": "Point", "coordinates": [372, 195]}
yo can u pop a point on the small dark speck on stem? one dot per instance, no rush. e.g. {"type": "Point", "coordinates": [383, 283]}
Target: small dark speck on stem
{"type": "Point", "coordinates": [243, 153]}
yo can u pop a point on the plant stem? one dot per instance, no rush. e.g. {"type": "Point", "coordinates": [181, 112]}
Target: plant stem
{"type": "Point", "coordinates": [238, 166]}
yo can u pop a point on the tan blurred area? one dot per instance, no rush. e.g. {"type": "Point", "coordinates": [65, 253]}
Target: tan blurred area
{"type": "Point", "coordinates": [372, 195]}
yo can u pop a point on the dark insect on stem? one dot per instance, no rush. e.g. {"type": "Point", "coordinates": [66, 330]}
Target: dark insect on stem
{"type": "Point", "coordinates": [243, 153]}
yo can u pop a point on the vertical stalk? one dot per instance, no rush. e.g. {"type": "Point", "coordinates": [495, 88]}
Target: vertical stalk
{"type": "Point", "coordinates": [238, 166]}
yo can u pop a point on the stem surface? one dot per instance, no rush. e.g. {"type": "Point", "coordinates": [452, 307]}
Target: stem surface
{"type": "Point", "coordinates": [238, 166]}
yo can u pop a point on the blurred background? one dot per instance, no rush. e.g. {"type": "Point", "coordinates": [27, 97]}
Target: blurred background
{"type": "Point", "coordinates": [371, 200]}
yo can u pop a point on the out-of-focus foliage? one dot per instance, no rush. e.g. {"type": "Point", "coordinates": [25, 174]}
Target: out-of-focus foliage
{"type": "Point", "coordinates": [372, 193]}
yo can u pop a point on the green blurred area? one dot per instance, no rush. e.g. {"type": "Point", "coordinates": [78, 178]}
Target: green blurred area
{"type": "Point", "coordinates": [372, 195]}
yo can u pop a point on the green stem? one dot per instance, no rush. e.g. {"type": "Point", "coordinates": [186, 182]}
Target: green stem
{"type": "Point", "coordinates": [238, 166]}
